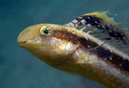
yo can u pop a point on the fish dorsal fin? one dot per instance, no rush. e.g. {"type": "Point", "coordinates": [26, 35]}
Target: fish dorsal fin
{"type": "Point", "coordinates": [100, 27]}
{"type": "Point", "coordinates": [102, 15]}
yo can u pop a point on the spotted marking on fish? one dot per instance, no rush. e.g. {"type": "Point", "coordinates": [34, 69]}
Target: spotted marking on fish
{"type": "Point", "coordinates": [99, 23]}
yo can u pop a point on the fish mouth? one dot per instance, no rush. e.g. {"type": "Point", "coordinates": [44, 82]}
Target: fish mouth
{"type": "Point", "coordinates": [22, 43]}
{"type": "Point", "coordinates": [22, 39]}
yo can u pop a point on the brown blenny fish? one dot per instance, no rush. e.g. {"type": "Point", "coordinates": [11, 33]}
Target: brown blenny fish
{"type": "Point", "coordinates": [92, 45]}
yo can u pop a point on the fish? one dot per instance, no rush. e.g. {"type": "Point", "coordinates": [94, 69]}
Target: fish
{"type": "Point", "coordinates": [92, 45]}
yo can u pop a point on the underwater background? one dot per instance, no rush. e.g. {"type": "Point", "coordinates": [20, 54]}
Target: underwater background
{"type": "Point", "coordinates": [19, 68]}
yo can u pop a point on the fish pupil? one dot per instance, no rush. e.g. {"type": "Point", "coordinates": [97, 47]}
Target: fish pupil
{"type": "Point", "coordinates": [46, 31]}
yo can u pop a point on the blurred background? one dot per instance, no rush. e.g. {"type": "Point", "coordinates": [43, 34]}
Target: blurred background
{"type": "Point", "coordinates": [19, 68]}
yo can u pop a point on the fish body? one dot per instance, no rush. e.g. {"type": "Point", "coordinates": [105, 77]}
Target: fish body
{"type": "Point", "coordinates": [93, 45]}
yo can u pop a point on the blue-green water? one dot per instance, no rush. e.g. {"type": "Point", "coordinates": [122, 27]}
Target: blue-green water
{"type": "Point", "coordinates": [20, 69]}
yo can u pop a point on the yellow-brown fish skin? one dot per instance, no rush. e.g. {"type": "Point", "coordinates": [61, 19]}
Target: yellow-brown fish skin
{"type": "Point", "coordinates": [47, 48]}
{"type": "Point", "coordinates": [62, 49]}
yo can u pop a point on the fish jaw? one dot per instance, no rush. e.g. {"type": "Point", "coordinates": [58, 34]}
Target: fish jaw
{"type": "Point", "coordinates": [29, 36]}
{"type": "Point", "coordinates": [30, 40]}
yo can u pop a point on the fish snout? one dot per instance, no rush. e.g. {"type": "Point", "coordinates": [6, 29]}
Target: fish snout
{"type": "Point", "coordinates": [27, 36]}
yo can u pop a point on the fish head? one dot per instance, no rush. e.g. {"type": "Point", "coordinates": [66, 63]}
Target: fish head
{"type": "Point", "coordinates": [51, 43]}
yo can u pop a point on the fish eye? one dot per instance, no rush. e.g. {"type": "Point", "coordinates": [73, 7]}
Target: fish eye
{"type": "Point", "coordinates": [44, 30]}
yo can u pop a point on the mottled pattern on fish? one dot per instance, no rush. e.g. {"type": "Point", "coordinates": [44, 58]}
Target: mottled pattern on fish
{"type": "Point", "coordinates": [112, 29]}
{"type": "Point", "coordinates": [110, 33]}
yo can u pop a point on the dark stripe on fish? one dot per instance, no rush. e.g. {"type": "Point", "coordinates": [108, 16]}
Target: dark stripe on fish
{"type": "Point", "coordinates": [93, 48]}
{"type": "Point", "coordinates": [64, 35]}
{"type": "Point", "coordinates": [105, 54]}
{"type": "Point", "coordinates": [99, 23]}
